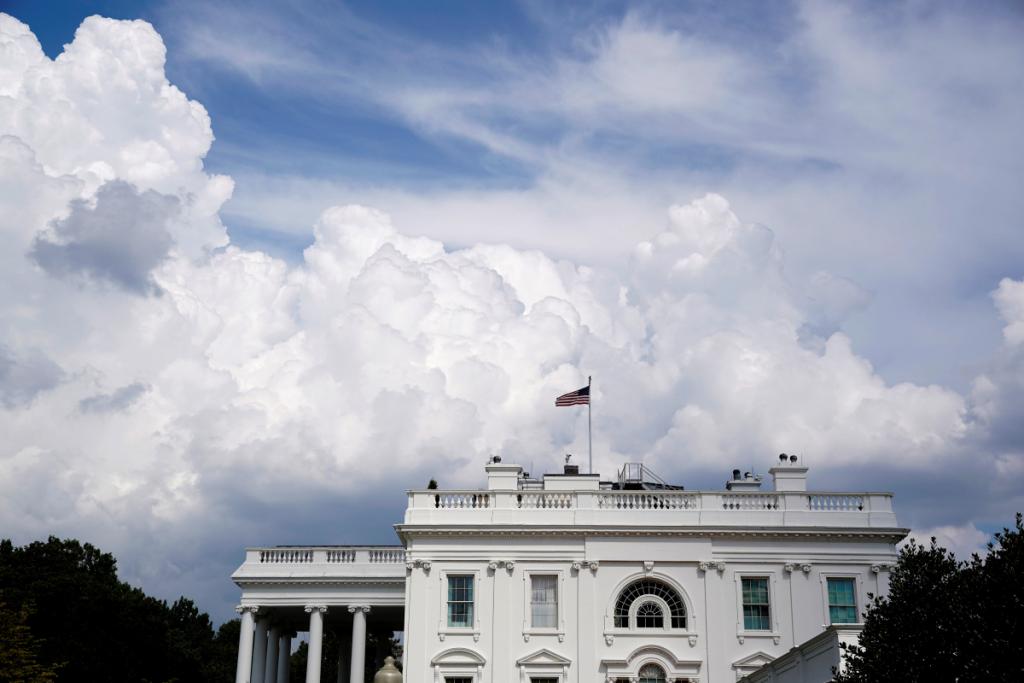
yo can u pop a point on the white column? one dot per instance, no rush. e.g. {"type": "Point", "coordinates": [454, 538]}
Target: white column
{"type": "Point", "coordinates": [270, 669]}
{"type": "Point", "coordinates": [316, 642]}
{"type": "Point", "coordinates": [284, 658]}
{"type": "Point", "coordinates": [358, 656]}
{"type": "Point", "coordinates": [244, 666]}
{"type": "Point", "coordinates": [259, 650]}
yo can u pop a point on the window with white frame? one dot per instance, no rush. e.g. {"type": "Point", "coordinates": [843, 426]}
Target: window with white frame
{"type": "Point", "coordinates": [756, 605]}
{"type": "Point", "coordinates": [652, 673]}
{"type": "Point", "coordinates": [646, 602]}
{"type": "Point", "coordinates": [842, 600]}
{"type": "Point", "coordinates": [460, 601]}
{"type": "Point", "coordinates": [543, 601]}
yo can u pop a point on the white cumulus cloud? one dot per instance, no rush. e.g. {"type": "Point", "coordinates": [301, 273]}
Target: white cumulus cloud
{"type": "Point", "coordinates": [211, 414]}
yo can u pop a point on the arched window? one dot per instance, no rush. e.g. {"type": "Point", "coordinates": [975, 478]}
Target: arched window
{"type": "Point", "coordinates": [649, 613]}
{"type": "Point", "coordinates": [652, 673]}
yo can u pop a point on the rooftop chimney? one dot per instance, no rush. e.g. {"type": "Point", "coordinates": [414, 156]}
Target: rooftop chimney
{"type": "Point", "coordinates": [789, 474]}
{"type": "Point", "coordinates": [503, 477]}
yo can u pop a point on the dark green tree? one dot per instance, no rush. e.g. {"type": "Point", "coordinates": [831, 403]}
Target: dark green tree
{"type": "Point", "coordinates": [101, 629]}
{"type": "Point", "coordinates": [19, 650]}
{"type": "Point", "coordinates": [945, 620]}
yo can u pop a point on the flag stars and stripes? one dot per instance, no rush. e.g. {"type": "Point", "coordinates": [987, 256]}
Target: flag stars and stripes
{"type": "Point", "coordinates": [580, 397]}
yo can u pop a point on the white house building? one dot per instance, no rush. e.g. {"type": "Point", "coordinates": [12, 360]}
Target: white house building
{"type": "Point", "coordinates": [570, 579]}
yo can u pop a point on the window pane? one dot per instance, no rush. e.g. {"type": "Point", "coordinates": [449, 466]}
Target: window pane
{"type": "Point", "coordinates": [649, 615]}
{"type": "Point", "coordinates": [544, 601]}
{"type": "Point", "coordinates": [842, 601]}
{"type": "Point", "coordinates": [652, 673]}
{"type": "Point", "coordinates": [756, 610]}
{"type": "Point", "coordinates": [460, 601]}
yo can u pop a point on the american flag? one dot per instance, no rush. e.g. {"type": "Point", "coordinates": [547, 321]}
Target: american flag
{"type": "Point", "coordinates": [580, 397]}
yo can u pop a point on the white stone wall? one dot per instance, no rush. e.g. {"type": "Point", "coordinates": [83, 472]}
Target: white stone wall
{"type": "Point", "coordinates": [586, 646]}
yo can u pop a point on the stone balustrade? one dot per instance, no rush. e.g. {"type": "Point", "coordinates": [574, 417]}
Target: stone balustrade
{"type": "Point", "coordinates": [319, 555]}
{"type": "Point", "coordinates": [669, 508]}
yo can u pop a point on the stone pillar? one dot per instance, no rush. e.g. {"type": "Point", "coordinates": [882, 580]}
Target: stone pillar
{"type": "Point", "coordinates": [358, 657]}
{"type": "Point", "coordinates": [270, 668]}
{"type": "Point", "coordinates": [244, 666]}
{"type": "Point", "coordinates": [259, 650]}
{"type": "Point", "coordinates": [284, 658]}
{"type": "Point", "coordinates": [316, 642]}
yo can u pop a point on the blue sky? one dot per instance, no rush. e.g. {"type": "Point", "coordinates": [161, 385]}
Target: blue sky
{"type": "Point", "coordinates": [554, 157]}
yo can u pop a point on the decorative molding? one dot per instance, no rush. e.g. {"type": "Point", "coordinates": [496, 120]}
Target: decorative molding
{"type": "Point", "coordinates": [561, 637]}
{"type": "Point", "coordinates": [892, 535]}
{"type": "Point", "coordinates": [776, 639]}
{"type": "Point", "coordinates": [252, 609]}
{"type": "Point", "coordinates": [575, 566]}
{"type": "Point", "coordinates": [476, 637]}
{"type": "Point", "coordinates": [440, 636]}
{"type": "Point", "coordinates": [526, 637]}
{"type": "Point", "coordinates": [609, 639]}
{"type": "Point", "coordinates": [322, 609]}
{"type": "Point", "coordinates": [883, 567]}
{"type": "Point", "coordinates": [648, 567]}
{"type": "Point", "coordinates": [593, 564]}
{"type": "Point", "coordinates": [492, 566]}
{"type": "Point", "coordinates": [693, 640]}
{"type": "Point", "coordinates": [365, 609]}
{"type": "Point", "coordinates": [717, 565]}
{"type": "Point", "coordinates": [789, 567]}
{"type": "Point", "coordinates": [510, 566]}
{"type": "Point", "coordinates": [806, 569]}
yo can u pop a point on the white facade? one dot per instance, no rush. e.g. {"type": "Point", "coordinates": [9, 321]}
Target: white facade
{"type": "Point", "coordinates": [571, 581]}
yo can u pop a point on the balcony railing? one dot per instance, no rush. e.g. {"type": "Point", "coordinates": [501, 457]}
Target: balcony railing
{"type": "Point", "coordinates": [654, 507]}
{"type": "Point", "coordinates": [328, 555]}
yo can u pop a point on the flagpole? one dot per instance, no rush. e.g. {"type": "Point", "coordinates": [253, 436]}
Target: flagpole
{"type": "Point", "coordinates": [590, 435]}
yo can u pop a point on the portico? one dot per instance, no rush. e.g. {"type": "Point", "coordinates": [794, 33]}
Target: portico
{"type": "Point", "coordinates": [349, 590]}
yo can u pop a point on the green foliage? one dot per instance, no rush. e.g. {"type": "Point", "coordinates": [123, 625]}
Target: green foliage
{"type": "Point", "coordinates": [945, 620]}
{"type": "Point", "coordinates": [103, 630]}
{"type": "Point", "coordinates": [19, 650]}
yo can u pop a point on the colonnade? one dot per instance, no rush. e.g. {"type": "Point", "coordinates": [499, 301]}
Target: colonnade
{"type": "Point", "coordinates": [264, 648]}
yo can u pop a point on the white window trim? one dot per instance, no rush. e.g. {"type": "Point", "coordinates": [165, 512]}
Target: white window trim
{"type": "Point", "coordinates": [666, 615]}
{"type": "Point", "coordinates": [528, 628]}
{"type": "Point", "coordinates": [443, 629]}
{"type": "Point", "coordinates": [773, 608]}
{"type": "Point", "coordinates": [858, 594]}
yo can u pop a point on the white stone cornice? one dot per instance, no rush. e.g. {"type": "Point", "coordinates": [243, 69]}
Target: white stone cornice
{"type": "Point", "coordinates": [893, 535]}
